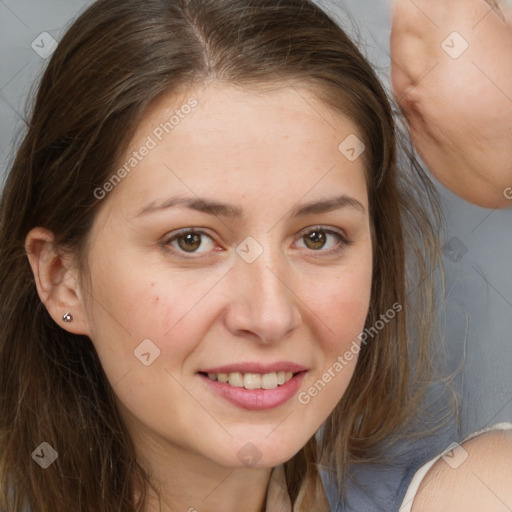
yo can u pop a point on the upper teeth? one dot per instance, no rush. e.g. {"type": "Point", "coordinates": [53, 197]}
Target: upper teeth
{"type": "Point", "coordinates": [253, 380]}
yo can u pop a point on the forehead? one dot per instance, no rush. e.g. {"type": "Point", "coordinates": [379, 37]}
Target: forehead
{"type": "Point", "coordinates": [226, 140]}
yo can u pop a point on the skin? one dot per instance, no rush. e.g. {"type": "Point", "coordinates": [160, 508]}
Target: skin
{"type": "Point", "coordinates": [293, 303]}
{"type": "Point", "coordinates": [458, 109]}
{"type": "Point", "coordinates": [480, 482]}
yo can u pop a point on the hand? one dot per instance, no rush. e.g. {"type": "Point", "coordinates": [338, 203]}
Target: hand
{"type": "Point", "coordinates": [452, 75]}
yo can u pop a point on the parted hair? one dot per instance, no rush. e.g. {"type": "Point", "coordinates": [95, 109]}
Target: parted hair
{"type": "Point", "coordinates": [113, 62]}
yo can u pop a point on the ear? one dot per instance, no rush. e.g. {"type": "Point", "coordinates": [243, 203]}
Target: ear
{"type": "Point", "coordinates": [56, 281]}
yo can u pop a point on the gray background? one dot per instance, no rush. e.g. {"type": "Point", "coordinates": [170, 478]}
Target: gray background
{"type": "Point", "coordinates": [478, 312]}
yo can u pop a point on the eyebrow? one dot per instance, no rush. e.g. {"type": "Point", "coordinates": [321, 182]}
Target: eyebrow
{"type": "Point", "coordinates": [216, 208]}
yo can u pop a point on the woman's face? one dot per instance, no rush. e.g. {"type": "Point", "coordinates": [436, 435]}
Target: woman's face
{"type": "Point", "coordinates": [235, 247]}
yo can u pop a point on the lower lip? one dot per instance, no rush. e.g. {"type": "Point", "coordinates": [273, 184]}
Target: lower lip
{"type": "Point", "coordinates": [256, 399]}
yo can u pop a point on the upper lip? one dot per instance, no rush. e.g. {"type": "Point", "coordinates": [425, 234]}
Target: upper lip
{"type": "Point", "coordinates": [257, 367]}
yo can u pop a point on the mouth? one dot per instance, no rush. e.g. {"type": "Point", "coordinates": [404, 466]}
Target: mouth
{"type": "Point", "coordinates": [254, 387]}
{"type": "Point", "coordinates": [270, 380]}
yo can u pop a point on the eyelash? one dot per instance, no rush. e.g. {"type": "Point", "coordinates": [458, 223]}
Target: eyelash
{"type": "Point", "coordinates": [342, 244]}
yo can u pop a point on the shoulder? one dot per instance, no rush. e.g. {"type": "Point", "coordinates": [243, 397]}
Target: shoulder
{"type": "Point", "coordinates": [474, 476]}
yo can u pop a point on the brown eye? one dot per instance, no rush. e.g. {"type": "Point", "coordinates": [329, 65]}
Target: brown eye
{"type": "Point", "coordinates": [315, 239]}
{"type": "Point", "coordinates": [323, 241]}
{"type": "Point", "coordinates": [189, 242]}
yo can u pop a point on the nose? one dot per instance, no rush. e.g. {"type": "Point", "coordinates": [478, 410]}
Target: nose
{"type": "Point", "coordinates": [264, 304]}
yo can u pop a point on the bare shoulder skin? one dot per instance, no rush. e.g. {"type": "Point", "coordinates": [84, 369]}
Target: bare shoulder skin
{"type": "Point", "coordinates": [478, 478]}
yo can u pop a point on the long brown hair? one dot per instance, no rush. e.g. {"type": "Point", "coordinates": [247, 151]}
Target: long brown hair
{"type": "Point", "coordinates": [114, 61]}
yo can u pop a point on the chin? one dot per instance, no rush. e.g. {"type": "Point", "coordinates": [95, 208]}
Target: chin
{"type": "Point", "coordinates": [264, 453]}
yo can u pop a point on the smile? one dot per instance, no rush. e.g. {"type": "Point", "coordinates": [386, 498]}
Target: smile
{"type": "Point", "coordinates": [252, 380]}
{"type": "Point", "coordinates": [255, 388]}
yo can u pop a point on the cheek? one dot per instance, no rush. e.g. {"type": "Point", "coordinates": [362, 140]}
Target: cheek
{"type": "Point", "coordinates": [342, 304]}
{"type": "Point", "coordinates": [133, 302]}
{"type": "Point", "coordinates": [341, 308]}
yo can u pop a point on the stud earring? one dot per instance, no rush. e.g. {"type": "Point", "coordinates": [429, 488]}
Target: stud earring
{"type": "Point", "coordinates": [67, 317]}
